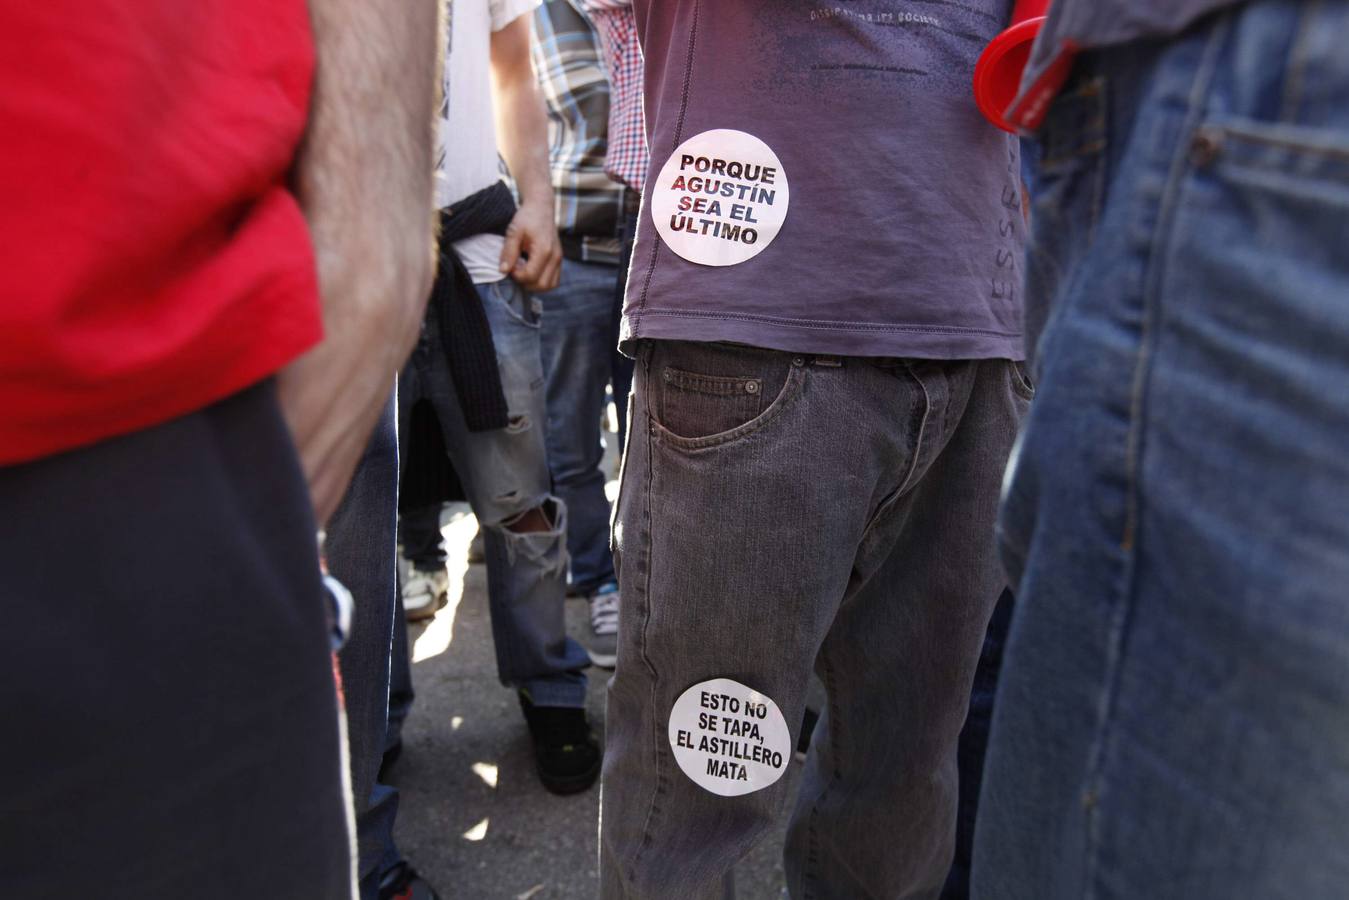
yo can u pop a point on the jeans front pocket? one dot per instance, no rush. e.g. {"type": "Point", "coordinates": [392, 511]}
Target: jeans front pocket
{"type": "Point", "coordinates": [520, 305]}
{"type": "Point", "coordinates": [706, 395]}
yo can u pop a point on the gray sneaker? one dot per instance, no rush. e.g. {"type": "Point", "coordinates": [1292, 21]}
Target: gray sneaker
{"type": "Point", "coordinates": [424, 593]}
{"type": "Point", "coordinates": [603, 647]}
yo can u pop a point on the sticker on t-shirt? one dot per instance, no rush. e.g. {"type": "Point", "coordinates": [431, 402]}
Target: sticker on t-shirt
{"type": "Point", "coordinates": [721, 198]}
{"type": "Point", "coordinates": [728, 738]}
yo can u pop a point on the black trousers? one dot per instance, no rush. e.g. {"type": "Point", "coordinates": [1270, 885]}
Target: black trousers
{"type": "Point", "coordinates": [166, 684]}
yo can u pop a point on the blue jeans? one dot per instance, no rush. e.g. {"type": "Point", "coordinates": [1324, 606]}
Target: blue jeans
{"type": "Point", "coordinates": [360, 552]}
{"type": "Point", "coordinates": [505, 474]}
{"type": "Point", "coordinates": [578, 340]}
{"type": "Point", "coordinates": [1173, 715]}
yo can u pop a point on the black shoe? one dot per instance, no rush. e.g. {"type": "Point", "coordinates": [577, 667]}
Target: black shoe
{"type": "Point", "coordinates": [388, 761]}
{"type": "Point", "coordinates": [566, 753]}
{"type": "Point", "coordinates": [403, 883]}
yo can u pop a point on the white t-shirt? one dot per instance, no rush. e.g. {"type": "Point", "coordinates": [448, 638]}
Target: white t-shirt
{"type": "Point", "coordinates": [466, 159]}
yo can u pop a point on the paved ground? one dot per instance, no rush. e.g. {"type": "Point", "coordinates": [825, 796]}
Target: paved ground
{"type": "Point", "coordinates": [474, 818]}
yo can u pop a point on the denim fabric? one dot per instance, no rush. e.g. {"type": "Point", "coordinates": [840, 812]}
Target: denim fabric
{"type": "Point", "coordinates": [505, 473]}
{"type": "Point", "coordinates": [578, 339]}
{"type": "Point", "coordinates": [621, 365]}
{"type": "Point", "coordinates": [360, 552]}
{"type": "Point", "coordinates": [973, 747]}
{"type": "Point", "coordinates": [401, 693]}
{"type": "Point", "coordinates": [167, 684]}
{"type": "Point", "coordinates": [1173, 715]}
{"type": "Point", "coordinates": [780, 512]}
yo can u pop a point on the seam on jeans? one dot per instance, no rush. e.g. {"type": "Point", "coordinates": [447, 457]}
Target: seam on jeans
{"type": "Point", "coordinates": [618, 503]}
{"type": "Point", "coordinates": [943, 437]}
{"type": "Point", "coordinates": [678, 134]}
{"type": "Point", "coordinates": [648, 838]}
{"type": "Point", "coordinates": [1149, 330]}
{"type": "Point", "coordinates": [1021, 383]}
{"type": "Point", "coordinates": [810, 874]}
{"type": "Point", "coordinates": [894, 496]}
{"type": "Point", "coordinates": [922, 432]}
{"type": "Point", "coordinates": [712, 385]}
{"type": "Point", "coordinates": [497, 581]}
{"type": "Point", "coordinates": [1099, 179]}
{"type": "Point", "coordinates": [507, 290]}
{"type": "Point", "coordinates": [1297, 64]}
{"type": "Point", "coordinates": [1244, 131]}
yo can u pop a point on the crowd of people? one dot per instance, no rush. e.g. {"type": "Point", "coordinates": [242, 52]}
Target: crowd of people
{"type": "Point", "coordinates": [1017, 434]}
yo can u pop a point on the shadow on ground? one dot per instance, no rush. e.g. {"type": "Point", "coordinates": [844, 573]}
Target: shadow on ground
{"type": "Point", "coordinates": [473, 817]}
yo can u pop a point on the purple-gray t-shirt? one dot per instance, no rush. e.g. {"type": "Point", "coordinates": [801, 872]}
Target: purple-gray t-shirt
{"type": "Point", "coordinates": [1104, 23]}
{"type": "Point", "coordinates": [822, 181]}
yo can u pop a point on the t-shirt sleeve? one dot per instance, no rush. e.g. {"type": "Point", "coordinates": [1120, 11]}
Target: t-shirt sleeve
{"type": "Point", "coordinates": [504, 12]}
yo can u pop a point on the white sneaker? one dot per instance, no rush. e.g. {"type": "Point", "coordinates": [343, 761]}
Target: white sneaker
{"type": "Point", "coordinates": [424, 593]}
{"type": "Point", "coordinates": [603, 647]}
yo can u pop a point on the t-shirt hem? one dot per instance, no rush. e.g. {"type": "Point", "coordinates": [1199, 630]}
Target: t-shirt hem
{"type": "Point", "coordinates": [822, 337]}
{"type": "Point", "coordinates": [481, 256]}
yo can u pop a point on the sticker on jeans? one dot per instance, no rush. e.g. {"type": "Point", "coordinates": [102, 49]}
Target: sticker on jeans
{"type": "Point", "coordinates": [730, 739]}
{"type": "Point", "coordinates": [721, 198]}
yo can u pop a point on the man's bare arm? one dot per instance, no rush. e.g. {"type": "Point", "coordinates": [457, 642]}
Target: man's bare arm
{"type": "Point", "coordinates": [364, 180]}
{"type": "Point", "coordinates": [522, 135]}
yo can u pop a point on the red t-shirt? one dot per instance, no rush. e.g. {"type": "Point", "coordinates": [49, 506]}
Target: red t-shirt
{"type": "Point", "coordinates": [152, 258]}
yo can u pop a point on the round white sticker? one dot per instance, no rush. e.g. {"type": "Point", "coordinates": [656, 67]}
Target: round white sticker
{"type": "Point", "coordinates": [728, 738]}
{"type": "Point", "coordinates": [721, 198]}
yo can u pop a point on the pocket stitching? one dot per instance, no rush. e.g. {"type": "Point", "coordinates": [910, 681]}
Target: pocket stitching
{"type": "Point", "coordinates": [711, 385]}
{"type": "Point", "coordinates": [1277, 138]}
{"type": "Point", "coordinates": [498, 296]}
{"type": "Point", "coordinates": [796, 379]}
{"type": "Point", "coordinates": [1020, 381]}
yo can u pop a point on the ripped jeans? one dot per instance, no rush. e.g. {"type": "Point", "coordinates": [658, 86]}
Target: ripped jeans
{"type": "Point", "coordinates": [505, 474]}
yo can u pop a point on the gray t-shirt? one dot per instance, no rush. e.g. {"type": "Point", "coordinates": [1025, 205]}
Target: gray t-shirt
{"type": "Point", "coordinates": [821, 181]}
{"type": "Point", "coordinates": [1105, 23]}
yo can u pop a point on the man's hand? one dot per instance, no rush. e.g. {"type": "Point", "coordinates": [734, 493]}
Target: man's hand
{"type": "Point", "coordinates": [522, 135]}
{"type": "Point", "coordinates": [364, 182]}
{"type": "Point", "coordinates": [533, 255]}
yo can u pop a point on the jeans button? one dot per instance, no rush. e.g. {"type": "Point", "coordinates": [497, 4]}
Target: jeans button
{"type": "Point", "coordinates": [1205, 147]}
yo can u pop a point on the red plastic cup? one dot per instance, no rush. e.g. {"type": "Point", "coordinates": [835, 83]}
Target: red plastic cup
{"type": "Point", "coordinates": [997, 75]}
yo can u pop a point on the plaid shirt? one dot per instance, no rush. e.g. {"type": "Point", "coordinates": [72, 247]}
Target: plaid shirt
{"type": "Point", "coordinates": [571, 78]}
{"type": "Point", "coordinates": [617, 26]}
